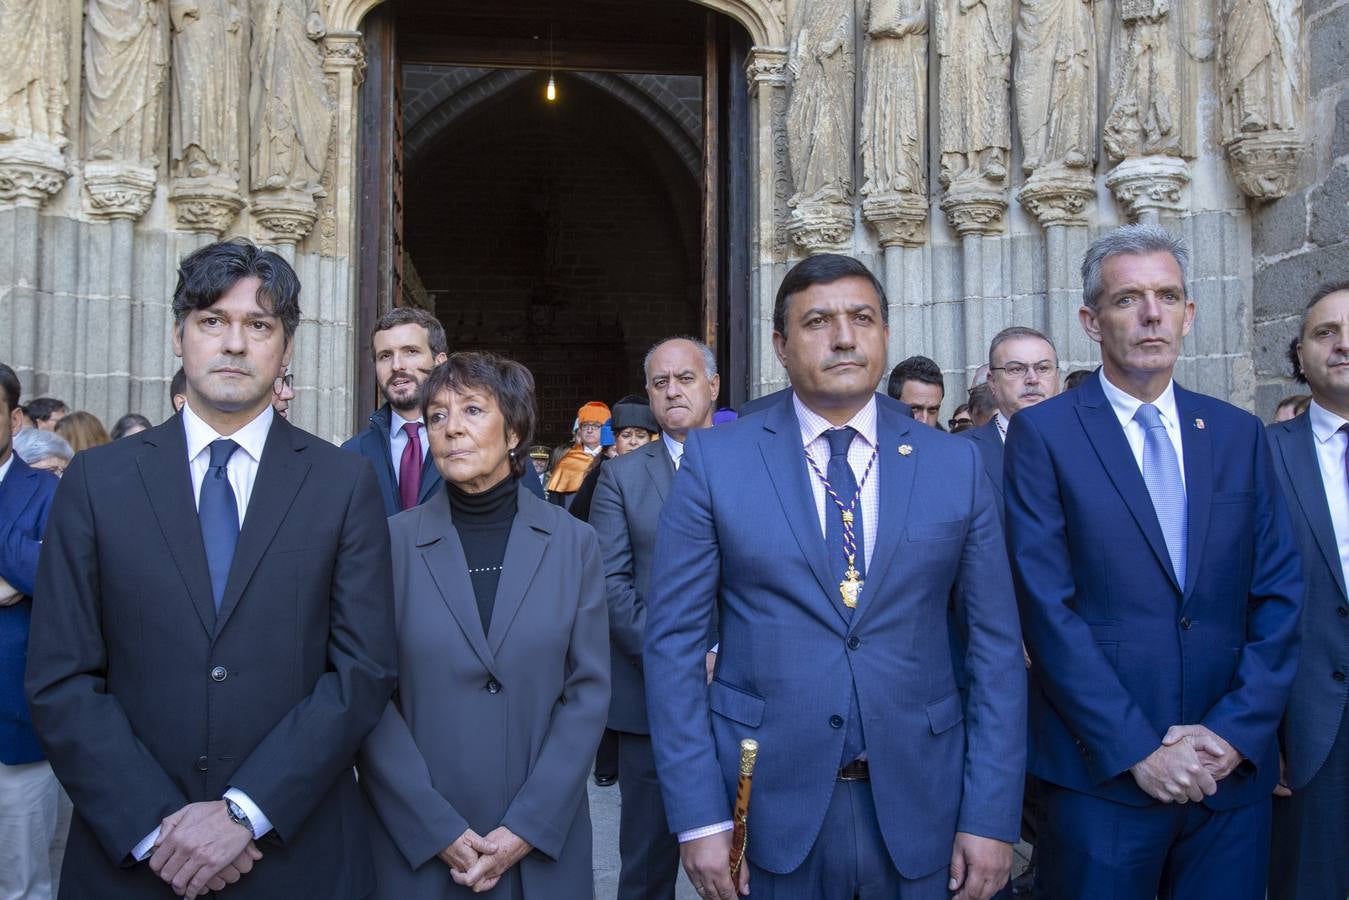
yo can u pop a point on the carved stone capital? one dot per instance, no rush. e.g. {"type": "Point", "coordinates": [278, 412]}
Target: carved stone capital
{"type": "Point", "coordinates": [31, 170]}
{"type": "Point", "coordinates": [766, 67]}
{"type": "Point", "coordinates": [1058, 196]}
{"type": "Point", "coordinates": [818, 227]}
{"type": "Point", "coordinates": [1149, 183]}
{"type": "Point", "coordinates": [900, 218]}
{"type": "Point", "coordinates": [974, 206]}
{"type": "Point", "coordinates": [285, 216]}
{"type": "Point", "coordinates": [116, 190]}
{"type": "Point", "coordinates": [344, 51]}
{"type": "Point", "coordinates": [1265, 164]}
{"type": "Point", "coordinates": [206, 204]}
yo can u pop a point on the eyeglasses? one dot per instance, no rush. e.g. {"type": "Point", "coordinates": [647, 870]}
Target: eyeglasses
{"type": "Point", "coordinates": [1019, 369]}
{"type": "Point", "coordinates": [589, 426]}
{"type": "Point", "coordinates": [956, 423]}
{"type": "Point", "coordinates": [282, 382]}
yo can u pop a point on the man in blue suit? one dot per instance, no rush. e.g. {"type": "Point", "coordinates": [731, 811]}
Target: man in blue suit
{"type": "Point", "coordinates": [874, 777]}
{"type": "Point", "coordinates": [1309, 857]}
{"type": "Point", "coordinates": [28, 789]}
{"type": "Point", "coordinates": [1160, 592]}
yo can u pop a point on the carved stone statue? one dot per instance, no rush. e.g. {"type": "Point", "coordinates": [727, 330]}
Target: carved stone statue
{"type": "Point", "coordinates": [125, 64]}
{"type": "Point", "coordinates": [820, 111]}
{"type": "Point", "coordinates": [34, 72]}
{"type": "Point", "coordinates": [894, 110]}
{"type": "Point", "coordinates": [974, 40]}
{"type": "Point", "coordinates": [1261, 77]}
{"type": "Point", "coordinates": [290, 112]}
{"type": "Point", "coordinates": [1144, 83]}
{"type": "Point", "coordinates": [1055, 83]}
{"type": "Point", "coordinates": [207, 76]}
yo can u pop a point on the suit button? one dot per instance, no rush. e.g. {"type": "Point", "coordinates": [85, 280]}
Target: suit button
{"type": "Point", "coordinates": [201, 764]}
{"type": "Point", "coordinates": [1338, 676]}
{"type": "Point", "coordinates": [493, 686]}
{"type": "Point", "coordinates": [219, 673]}
{"type": "Point", "coordinates": [1185, 623]}
{"type": "Point", "coordinates": [854, 642]}
{"type": "Point", "coordinates": [1343, 611]}
{"type": "Point", "coordinates": [835, 721]}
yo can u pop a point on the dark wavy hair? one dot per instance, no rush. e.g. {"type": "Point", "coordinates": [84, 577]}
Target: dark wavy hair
{"type": "Point", "coordinates": [510, 384]}
{"type": "Point", "coordinates": [823, 268]}
{"type": "Point", "coordinates": [205, 275]}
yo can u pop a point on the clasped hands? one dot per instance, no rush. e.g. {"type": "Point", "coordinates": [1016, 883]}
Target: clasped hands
{"type": "Point", "coordinates": [1187, 766]}
{"type": "Point", "coordinates": [478, 862]}
{"type": "Point", "coordinates": [201, 849]}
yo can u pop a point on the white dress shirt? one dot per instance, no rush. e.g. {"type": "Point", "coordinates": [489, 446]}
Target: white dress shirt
{"type": "Point", "coordinates": [675, 449]}
{"type": "Point", "coordinates": [1001, 423]}
{"type": "Point", "coordinates": [241, 470]}
{"type": "Point", "coordinates": [398, 439]}
{"type": "Point", "coordinates": [1126, 407]}
{"type": "Point", "coordinates": [6, 465]}
{"type": "Point", "coordinates": [1331, 445]}
{"type": "Point", "coordinates": [813, 427]}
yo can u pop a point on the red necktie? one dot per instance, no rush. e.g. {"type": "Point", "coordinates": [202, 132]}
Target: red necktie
{"type": "Point", "coordinates": [410, 467]}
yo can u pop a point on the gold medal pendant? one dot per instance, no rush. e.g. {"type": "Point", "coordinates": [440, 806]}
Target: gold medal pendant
{"type": "Point", "coordinates": [850, 587]}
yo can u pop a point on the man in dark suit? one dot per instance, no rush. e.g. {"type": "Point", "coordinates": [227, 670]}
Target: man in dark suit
{"type": "Point", "coordinates": [832, 628]}
{"type": "Point", "coordinates": [918, 384]}
{"type": "Point", "coordinates": [1160, 592]}
{"type": "Point", "coordinates": [28, 789]}
{"type": "Point", "coordinates": [682, 384]}
{"type": "Point", "coordinates": [1309, 858]}
{"type": "Point", "coordinates": [213, 634]}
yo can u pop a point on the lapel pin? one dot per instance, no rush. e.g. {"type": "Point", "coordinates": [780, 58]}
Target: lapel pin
{"type": "Point", "coordinates": [905, 449]}
{"type": "Point", "coordinates": [1199, 423]}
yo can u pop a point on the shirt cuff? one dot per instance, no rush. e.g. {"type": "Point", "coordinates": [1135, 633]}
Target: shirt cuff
{"type": "Point", "coordinates": [715, 647]}
{"type": "Point", "coordinates": [694, 834]}
{"type": "Point", "coordinates": [261, 824]}
{"type": "Point", "coordinates": [142, 851]}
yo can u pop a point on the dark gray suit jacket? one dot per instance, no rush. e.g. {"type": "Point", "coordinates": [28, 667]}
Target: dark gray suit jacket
{"type": "Point", "coordinates": [490, 729]}
{"type": "Point", "coordinates": [1318, 700]}
{"type": "Point", "coordinates": [989, 442]}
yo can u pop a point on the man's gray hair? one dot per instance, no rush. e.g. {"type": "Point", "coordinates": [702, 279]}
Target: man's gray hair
{"type": "Point", "coordinates": [1130, 240]}
{"type": "Point", "coordinates": [34, 445]}
{"type": "Point", "coordinates": [709, 358]}
{"type": "Point", "coordinates": [1017, 331]}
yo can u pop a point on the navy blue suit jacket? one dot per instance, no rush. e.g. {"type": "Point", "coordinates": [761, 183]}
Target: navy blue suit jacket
{"type": "Point", "coordinates": [1120, 650]}
{"type": "Point", "coordinates": [740, 531]}
{"type": "Point", "coordinates": [25, 496]}
{"type": "Point", "coordinates": [1318, 700]}
{"type": "Point", "coordinates": [989, 442]}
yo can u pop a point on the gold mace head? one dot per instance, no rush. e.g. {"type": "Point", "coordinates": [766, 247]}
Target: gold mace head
{"type": "Point", "coordinates": [749, 755]}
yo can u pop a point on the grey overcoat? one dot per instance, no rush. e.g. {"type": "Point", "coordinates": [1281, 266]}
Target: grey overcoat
{"type": "Point", "coordinates": [490, 729]}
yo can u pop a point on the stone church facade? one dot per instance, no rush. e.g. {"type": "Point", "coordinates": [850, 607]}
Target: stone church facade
{"type": "Point", "coordinates": [967, 150]}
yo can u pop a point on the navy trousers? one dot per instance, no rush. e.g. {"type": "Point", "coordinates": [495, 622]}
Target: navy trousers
{"type": "Point", "coordinates": [1103, 850]}
{"type": "Point", "coordinates": [849, 860]}
{"type": "Point", "coordinates": [1309, 856]}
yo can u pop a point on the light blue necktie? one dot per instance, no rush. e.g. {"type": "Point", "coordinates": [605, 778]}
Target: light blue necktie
{"type": "Point", "coordinates": [1161, 473]}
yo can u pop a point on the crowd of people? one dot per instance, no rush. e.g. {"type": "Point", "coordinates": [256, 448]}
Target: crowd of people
{"type": "Point", "coordinates": [1107, 615]}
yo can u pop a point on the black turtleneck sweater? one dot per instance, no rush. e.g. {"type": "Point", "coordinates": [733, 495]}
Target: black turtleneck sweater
{"type": "Point", "coordinates": [484, 525]}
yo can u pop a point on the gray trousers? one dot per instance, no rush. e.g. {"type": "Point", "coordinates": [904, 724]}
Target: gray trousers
{"type": "Point", "coordinates": [29, 803]}
{"type": "Point", "coordinates": [849, 860]}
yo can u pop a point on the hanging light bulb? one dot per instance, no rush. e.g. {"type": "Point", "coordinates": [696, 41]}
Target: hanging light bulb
{"type": "Point", "coordinates": [551, 92]}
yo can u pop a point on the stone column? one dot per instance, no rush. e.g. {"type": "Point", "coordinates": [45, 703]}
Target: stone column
{"type": "Point", "coordinates": [766, 77]}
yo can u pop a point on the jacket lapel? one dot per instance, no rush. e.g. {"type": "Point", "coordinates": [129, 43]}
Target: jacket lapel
{"type": "Point", "coordinates": [17, 488]}
{"type": "Point", "coordinates": [1197, 448]}
{"type": "Point", "coordinates": [896, 474]}
{"type": "Point", "coordinates": [431, 480]}
{"type": "Point", "coordinates": [659, 466]}
{"type": "Point", "coordinates": [375, 447]}
{"type": "Point", "coordinates": [443, 554]}
{"type": "Point", "coordinates": [524, 551]}
{"type": "Point", "coordinates": [784, 458]}
{"type": "Point", "coordinates": [1297, 446]}
{"type": "Point", "coordinates": [164, 471]}
{"type": "Point", "coordinates": [1112, 447]}
{"type": "Point", "coordinates": [281, 471]}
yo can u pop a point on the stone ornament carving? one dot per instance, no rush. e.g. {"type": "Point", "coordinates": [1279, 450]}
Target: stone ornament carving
{"type": "Point", "coordinates": [205, 204]}
{"type": "Point", "coordinates": [1149, 185]}
{"type": "Point", "coordinates": [33, 100]}
{"type": "Point", "coordinates": [1055, 91]}
{"type": "Point", "coordinates": [975, 209]}
{"type": "Point", "coordinates": [893, 135]}
{"type": "Point", "coordinates": [820, 124]}
{"type": "Point", "coordinates": [118, 190]}
{"type": "Point", "coordinates": [974, 41]}
{"type": "Point", "coordinates": [1144, 90]}
{"type": "Point", "coordinates": [1262, 86]}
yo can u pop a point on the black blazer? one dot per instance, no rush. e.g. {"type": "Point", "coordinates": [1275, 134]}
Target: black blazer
{"type": "Point", "coordinates": [146, 700]}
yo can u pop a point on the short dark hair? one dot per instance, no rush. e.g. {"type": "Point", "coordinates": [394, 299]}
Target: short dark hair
{"type": "Point", "coordinates": [915, 368]}
{"type": "Point", "coordinates": [1075, 377]}
{"type": "Point", "coordinates": [9, 388]}
{"type": "Point", "coordinates": [128, 422]}
{"type": "Point", "coordinates": [406, 315]}
{"type": "Point", "coordinates": [1295, 361]}
{"type": "Point", "coordinates": [178, 386]}
{"type": "Point", "coordinates": [981, 401]}
{"type": "Point", "coordinates": [1321, 293]}
{"type": "Point", "coordinates": [41, 409]}
{"type": "Point", "coordinates": [509, 383]}
{"type": "Point", "coordinates": [823, 268]}
{"type": "Point", "coordinates": [205, 275]}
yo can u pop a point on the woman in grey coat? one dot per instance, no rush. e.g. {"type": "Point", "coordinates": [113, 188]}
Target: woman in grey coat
{"type": "Point", "coordinates": [477, 771]}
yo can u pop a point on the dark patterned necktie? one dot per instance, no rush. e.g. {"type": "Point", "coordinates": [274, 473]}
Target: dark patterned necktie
{"type": "Point", "coordinates": [219, 516]}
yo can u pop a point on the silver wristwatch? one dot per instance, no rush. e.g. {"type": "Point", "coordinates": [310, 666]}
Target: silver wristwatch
{"type": "Point", "coordinates": [238, 815]}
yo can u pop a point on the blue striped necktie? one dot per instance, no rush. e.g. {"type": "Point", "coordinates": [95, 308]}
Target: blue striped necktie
{"type": "Point", "coordinates": [1161, 473]}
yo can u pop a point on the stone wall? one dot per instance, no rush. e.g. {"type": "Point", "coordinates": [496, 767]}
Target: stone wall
{"type": "Point", "coordinates": [1302, 240]}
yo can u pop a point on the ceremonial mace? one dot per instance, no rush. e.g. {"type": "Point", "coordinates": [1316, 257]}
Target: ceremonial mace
{"type": "Point", "coordinates": [749, 754]}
